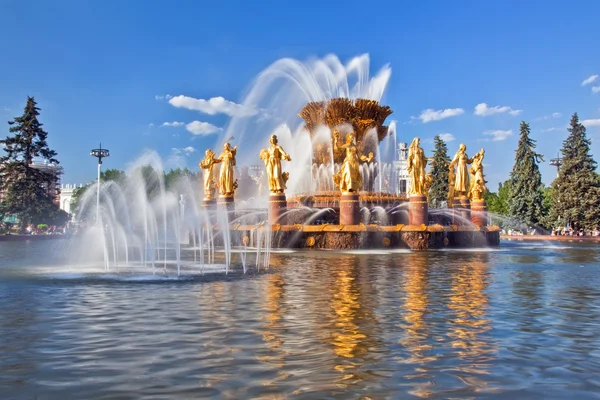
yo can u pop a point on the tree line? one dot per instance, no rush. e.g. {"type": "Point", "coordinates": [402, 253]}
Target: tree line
{"type": "Point", "coordinates": [572, 200]}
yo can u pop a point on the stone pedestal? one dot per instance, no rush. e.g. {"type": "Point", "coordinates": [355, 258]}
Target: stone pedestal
{"type": "Point", "coordinates": [277, 207]}
{"type": "Point", "coordinates": [418, 212]}
{"type": "Point", "coordinates": [479, 215]}
{"type": "Point", "coordinates": [226, 203]}
{"type": "Point", "coordinates": [209, 204]}
{"type": "Point", "coordinates": [349, 209]}
{"type": "Point", "coordinates": [461, 213]}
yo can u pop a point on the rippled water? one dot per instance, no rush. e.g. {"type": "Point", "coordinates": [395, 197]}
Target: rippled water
{"type": "Point", "coordinates": [521, 321]}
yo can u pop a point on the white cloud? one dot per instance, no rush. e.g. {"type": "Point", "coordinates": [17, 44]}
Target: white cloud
{"type": "Point", "coordinates": [436, 115]}
{"type": "Point", "coordinates": [556, 115]}
{"type": "Point", "coordinates": [185, 150]}
{"type": "Point", "coordinates": [483, 110]}
{"type": "Point", "coordinates": [174, 124]}
{"type": "Point", "coordinates": [165, 97]}
{"type": "Point", "coordinates": [595, 89]}
{"type": "Point", "coordinates": [212, 106]}
{"type": "Point", "coordinates": [590, 122]}
{"type": "Point", "coordinates": [589, 80]}
{"type": "Point", "coordinates": [151, 125]}
{"type": "Point", "coordinates": [447, 137]}
{"type": "Point", "coordinates": [498, 134]}
{"type": "Point", "coordinates": [554, 128]}
{"type": "Point", "coordinates": [202, 128]}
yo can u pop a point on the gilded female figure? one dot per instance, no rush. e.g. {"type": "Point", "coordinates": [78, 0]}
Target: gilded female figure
{"type": "Point", "coordinates": [416, 168]}
{"type": "Point", "coordinates": [272, 157]}
{"type": "Point", "coordinates": [461, 181]}
{"type": "Point", "coordinates": [348, 178]}
{"type": "Point", "coordinates": [477, 189]}
{"type": "Point", "coordinates": [227, 184]}
{"type": "Point", "coordinates": [207, 165]}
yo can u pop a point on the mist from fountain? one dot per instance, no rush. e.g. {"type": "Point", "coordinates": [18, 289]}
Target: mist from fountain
{"type": "Point", "coordinates": [146, 227]}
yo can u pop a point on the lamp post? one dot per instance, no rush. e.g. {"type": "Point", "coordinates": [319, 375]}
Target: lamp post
{"type": "Point", "coordinates": [99, 153]}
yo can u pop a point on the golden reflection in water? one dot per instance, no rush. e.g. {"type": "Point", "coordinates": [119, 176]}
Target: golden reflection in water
{"type": "Point", "coordinates": [469, 303]}
{"type": "Point", "coordinates": [347, 338]}
{"type": "Point", "coordinates": [415, 329]}
{"type": "Point", "coordinates": [273, 313]}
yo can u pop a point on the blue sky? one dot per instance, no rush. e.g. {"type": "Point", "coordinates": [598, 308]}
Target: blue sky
{"type": "Point", "coordinates": [96, 68]}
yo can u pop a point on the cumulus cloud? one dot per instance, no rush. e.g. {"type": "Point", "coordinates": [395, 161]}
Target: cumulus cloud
{"type": "Point", "coordinates": [591, 122]}
{"type": "Point", "coordinates": [590, 79]}
{"type": "Point", "coordinates": [498, 134]}
{"type": "Point", "coordinates": [483, 110]}
{"type": "Point", "coordinates": [447, 137]}
{"type": "Point", "coordinates": [595, 89]}
{"type": "Point", "coordinates": [202, 128]}
{"type": "Point", "coordinates": [174, 124]}
{"type": "Point", "coordinates": [163, 97]}
{"type": "Point", "coordinates": [212, 106]}
{"type": "Point", "coordinates": [436, 115]}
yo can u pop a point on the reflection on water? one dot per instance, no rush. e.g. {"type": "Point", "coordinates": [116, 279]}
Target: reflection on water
{"type": "Point", "coordinates": [469, 323]}
{"type": "Point", "coordinates": [316, 325]}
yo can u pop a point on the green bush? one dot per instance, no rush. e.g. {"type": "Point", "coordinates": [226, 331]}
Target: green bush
{"type": "Point", "coordinates": [42, 227]}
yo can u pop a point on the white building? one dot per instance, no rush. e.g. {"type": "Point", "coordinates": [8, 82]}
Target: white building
{"type": "Point", "coordinates": [66, 194]}
{"type": "Point", "coordinates": [401, 167]}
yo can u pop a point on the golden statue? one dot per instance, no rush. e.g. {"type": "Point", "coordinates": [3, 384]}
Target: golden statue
{"type": "Point", "coordinates": [416, 169]}
{"type": "Point", "coordinates": [272, 157]}
{"type": "Point", "coordinates": [451, 179]}
{"type": "Point", "coordinates": [477, 189]}
{"type": "Point", "coordinates": [461, 180]}
{"type": "Point", "coordinates": [348, 178]}
{"type": "Point", "coordinates": [207, 165]}
{"type": "Point", "coordinates": [227, 184]}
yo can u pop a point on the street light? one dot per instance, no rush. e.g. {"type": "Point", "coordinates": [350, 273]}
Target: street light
{"type": "Point", "coordinates": [99, 153]}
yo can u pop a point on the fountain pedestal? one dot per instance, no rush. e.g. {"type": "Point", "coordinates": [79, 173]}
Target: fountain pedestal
{"type": "Point", "coordinates": [349, 209]}
{"type": "Point", "coordinates": [209, 204]}
{"type": "Point", "coordinates": [479, 216]}
{"type": "Point", "coordinates": [418, 212]}
{"type": "Point", "coordinates": [461, 214]}
{"type": "Point", "coordinates": [226, 203]}
{"type": "Point", "coordinates": [277, 206]}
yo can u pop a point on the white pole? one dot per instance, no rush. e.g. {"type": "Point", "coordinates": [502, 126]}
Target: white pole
{"type": "Point", "coordinates": [98, 195]}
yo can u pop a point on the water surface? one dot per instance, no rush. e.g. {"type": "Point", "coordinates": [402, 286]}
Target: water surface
{"type": "Point", "coordinates": [520, 321]}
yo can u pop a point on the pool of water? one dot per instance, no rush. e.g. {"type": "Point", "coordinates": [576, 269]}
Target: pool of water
{"type": "Point", "coordinates": [519, 321]}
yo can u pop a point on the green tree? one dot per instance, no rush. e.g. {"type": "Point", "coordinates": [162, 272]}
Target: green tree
{"type": "Point", "coordinates": [526, 189]}
{"type": "Point", "coordinates": [576, 190]}
{"type": "Point", "coordinates": [498, 202]}
{"type": "Point", "coordinates": [439, 172]}
{"type": "Point", "coordinates": [26, 188]}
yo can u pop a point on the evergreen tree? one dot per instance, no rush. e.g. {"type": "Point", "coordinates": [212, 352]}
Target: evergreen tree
{"type": "Point", "coordinates": [439, 172]}
{"type": "Point", "coordinates": [576, 191]}
{"type": "Point", "coordinates": [25, 188]}
{"type": "Point", "coordinates": [526, 188]}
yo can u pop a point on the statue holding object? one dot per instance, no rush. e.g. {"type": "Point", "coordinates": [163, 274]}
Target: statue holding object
{"type": "Point", "coordinates": [272, 158]}
{"type": "Point", "coordinates": [461, 180]}
{"type": "Point", "coordinates": [348, 178]}
{"type": "Point", "coordinates": [227, 183]}
{"type": "Point", "coordinates": [477, 189]}
{"type": "Point", "coordinates": [207, 164]}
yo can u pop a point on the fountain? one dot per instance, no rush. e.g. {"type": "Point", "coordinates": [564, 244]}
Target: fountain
{"type": "Point", "coordinates": [338, 191]}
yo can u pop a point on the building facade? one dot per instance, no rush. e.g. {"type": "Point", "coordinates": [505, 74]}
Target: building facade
{"type": "Point", "coordinates": [401, 169]}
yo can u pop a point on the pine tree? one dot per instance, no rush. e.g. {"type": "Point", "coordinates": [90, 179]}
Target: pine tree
{"type": "Point", "coordinates": [576, 191]}
{"type": "Point", "coordinates": [526, 201]}
{"type": "Point", "coordinates": [439, 172]}
{"type": "Point", "coordinates": [25, 188]}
